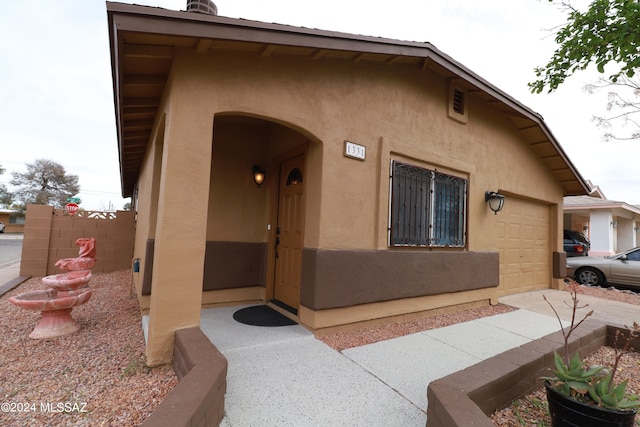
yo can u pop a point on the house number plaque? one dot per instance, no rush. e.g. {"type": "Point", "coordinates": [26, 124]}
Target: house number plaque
{"type": "Point", "coordinates": [355, 151]}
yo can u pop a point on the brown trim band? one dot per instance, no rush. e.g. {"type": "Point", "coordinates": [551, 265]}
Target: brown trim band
{"type": "Point", "coordinates": [342, 278]}
{"type": "Point", "coordinates": [227, 265]}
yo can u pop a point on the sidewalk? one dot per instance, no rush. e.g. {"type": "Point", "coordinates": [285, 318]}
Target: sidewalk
{"type": "Point", "coordinates": [10, 276]}
{"type": "Point", "coordinates": [603, 309]}
{"type": "Point", "coordinates": [10, 268]}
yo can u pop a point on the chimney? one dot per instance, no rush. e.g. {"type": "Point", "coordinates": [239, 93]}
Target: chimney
{"type": "Point", "coordinates": [202, 6]}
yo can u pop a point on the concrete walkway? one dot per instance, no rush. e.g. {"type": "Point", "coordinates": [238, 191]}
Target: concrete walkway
{"type": "Point", "coordinates": [286, 377]}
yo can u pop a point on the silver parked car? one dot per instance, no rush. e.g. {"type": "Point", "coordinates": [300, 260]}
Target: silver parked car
{"type": "Point", "coordinates": [622, 268]}
{"type": "Point", "coordinates": [1, 227]}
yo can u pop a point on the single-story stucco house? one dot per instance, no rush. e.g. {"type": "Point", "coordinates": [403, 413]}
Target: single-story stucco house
{"type": "Point", "coordinates": [377, 158]}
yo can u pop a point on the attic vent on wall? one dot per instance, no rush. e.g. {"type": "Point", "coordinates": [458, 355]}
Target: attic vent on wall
{"type": "Point", "coordinates": [202, 6]}
{"type": "Point", "coordinates": [458, 101]}
{"type": "Point", "coordinates": [457, 104]}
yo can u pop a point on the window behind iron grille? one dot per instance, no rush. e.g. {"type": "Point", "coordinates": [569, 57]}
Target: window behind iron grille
{"type": "Point", "coordinates": [428, 208]}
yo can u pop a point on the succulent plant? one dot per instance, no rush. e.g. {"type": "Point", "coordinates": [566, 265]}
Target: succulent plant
{"type": "Point", "coordinates": [606, 395]}
{"type": "Point", "coordinates": [592, 385]}
{"type": "Point", "coordinates": [573, 379]}
{"type": "Point", "coordinates": [594, 382]}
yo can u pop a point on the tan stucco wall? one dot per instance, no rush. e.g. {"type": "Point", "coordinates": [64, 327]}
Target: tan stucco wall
{"type": "Point", "coordinates": [356, 103]}
{"type": "Point", "coordinates": [146, 204]}
{"type": "Point", "coordinates": [396, 112]}
{"type": "Point", "coordinates": [179, 251]}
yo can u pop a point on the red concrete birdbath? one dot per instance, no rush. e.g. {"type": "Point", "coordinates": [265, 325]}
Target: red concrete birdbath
{"type": "Point", "coordinates": [68, 290]}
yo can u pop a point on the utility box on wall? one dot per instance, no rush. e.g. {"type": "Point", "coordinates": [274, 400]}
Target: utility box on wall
{"type": "Point", "coordinates": [559, 265]}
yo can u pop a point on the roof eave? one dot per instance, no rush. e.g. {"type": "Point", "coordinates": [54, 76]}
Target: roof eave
{"type": "Point", "coordinates": [126, 17]}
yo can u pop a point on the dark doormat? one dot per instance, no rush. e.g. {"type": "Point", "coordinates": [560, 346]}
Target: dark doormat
{"type": "Point", "coordinates": [262, 315]}
{"type": "Point", "coordinates": [284, 306]}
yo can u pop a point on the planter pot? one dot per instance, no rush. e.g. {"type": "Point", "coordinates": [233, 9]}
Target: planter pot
{"type": "Point", "coordinates": [569, 412]}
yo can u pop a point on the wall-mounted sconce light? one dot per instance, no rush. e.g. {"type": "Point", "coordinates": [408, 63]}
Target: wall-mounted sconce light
{"type": "Point", "coordinates": [258, 175]}
{"type": "Point", "coordinates": [614, 224]}
{"type": "Point", "coordinates": [495, 201]}
{"type": "Point", "coordinates": [585, 228]}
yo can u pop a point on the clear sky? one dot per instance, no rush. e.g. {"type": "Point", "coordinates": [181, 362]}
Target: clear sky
{"type": "Point", "coordinates": [57, 98]}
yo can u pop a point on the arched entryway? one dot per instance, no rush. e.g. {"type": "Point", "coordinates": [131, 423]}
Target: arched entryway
{"type": "Point", "coordinates": [255, 234]}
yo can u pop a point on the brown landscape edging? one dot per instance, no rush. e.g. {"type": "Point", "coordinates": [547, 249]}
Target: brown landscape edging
{"type": "Point", "coordinates": [470, 396]}
{"type": "Point", "coordinates": [198, 399]}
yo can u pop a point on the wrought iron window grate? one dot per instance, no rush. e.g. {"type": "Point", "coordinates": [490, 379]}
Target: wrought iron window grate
{"type": "Point", "coordinates": [428, 208]}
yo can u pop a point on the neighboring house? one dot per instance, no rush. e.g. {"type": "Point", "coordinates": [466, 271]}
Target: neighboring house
{"type": "Point", "coordinates": [5, 215]}
{"type": "Point", "coordinates": [12, 221]}
{"type": "Point", "coordinates": [611, 226]}
{"type": "Point", "coordinates": [377, 155]}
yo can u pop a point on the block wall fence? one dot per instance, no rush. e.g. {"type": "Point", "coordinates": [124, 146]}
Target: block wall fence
{"type": "Point", "coordinates": [50, 234]}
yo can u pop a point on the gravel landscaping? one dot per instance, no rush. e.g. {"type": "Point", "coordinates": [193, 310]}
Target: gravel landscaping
{"type": "Point", "coordinates": [532, 410]}
{"type": "Point", "coordinates": [355, 338]}
{"type": "Point", "coordinates": [98, 376]}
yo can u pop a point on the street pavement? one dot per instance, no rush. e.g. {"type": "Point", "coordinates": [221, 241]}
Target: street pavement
{"type": "Point", "coordinates": [10, 253]}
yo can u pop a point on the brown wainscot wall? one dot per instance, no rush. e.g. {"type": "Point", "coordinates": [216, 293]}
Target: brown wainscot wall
{"type": "Point", "coordinates": [343, 278]}
{"type": "Point", "coordinates": [468, 397]}
{"type": "Point", "coordinates": [50, 235]}
{"type": "Point", "coordinates": [198, 399]}
{"type": "Point", "coordinates": [227, 265]}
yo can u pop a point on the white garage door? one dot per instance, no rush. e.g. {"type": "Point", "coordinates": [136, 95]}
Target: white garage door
{"type": "Point", "coordinates": [524, 245]}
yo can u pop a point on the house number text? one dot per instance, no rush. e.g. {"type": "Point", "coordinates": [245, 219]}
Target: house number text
{"type": "Point", "coordinates": [355, 151]}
